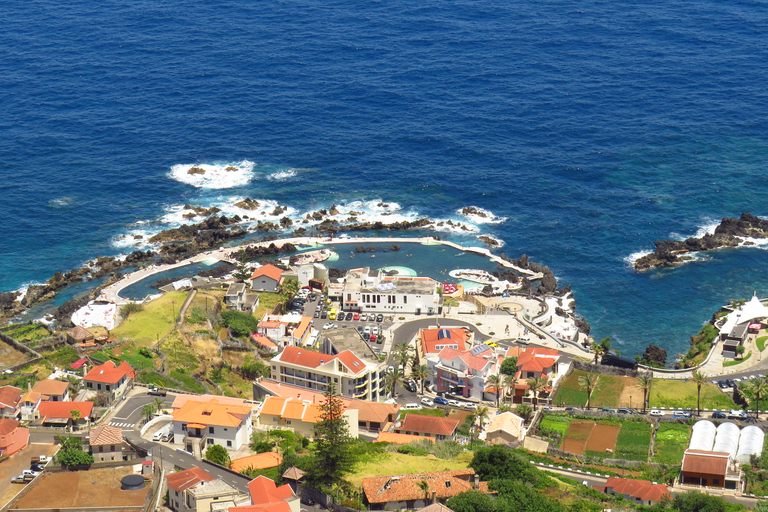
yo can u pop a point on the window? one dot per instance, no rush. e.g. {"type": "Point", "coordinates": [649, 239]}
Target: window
{"type": "Point", "coordinates": [288, 422]}
{"type": "Point", "coordinates": [210, 430]}
{"type": "Point", "coordinates": [229, 444]}
{"type": "Point", "coordinates": [101, 449]}
{"type": "Point", "coordinates": [210, 441]}
{"type": "Point", "coordinates": [405, 299]}
{"type": "Point", "coordinates": [183, 427]}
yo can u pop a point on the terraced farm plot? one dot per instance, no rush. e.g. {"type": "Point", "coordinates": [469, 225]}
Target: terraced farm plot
{"type": "Point", "coordinates": [671, 442]}
{"type": "Point", "coordinates": [634, 441]}
{"type": "Point", "coordinates": [585, 436]}
{"type": "Point", "coordinates": [10, 356]}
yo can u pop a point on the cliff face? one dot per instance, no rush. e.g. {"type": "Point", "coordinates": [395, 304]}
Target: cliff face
{"type": "Point", "coordinates": [729, 233]}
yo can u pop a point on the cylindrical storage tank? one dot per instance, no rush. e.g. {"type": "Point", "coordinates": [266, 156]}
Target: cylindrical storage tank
{"type": "Point", "coordinates": [727, 439]}
{"type": "Point", "coordinates": [703, 437]}
{"type": "Point", "coordinates": [750, 443]}
{"type": "Point", "coordinates": [132, 483]}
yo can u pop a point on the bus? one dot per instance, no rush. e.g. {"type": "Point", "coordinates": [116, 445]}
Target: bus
{"type": "Point", "coordinates": [332, 314]}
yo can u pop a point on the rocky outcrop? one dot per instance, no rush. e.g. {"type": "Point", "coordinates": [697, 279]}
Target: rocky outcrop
{"type": "Point", "coordinates": [199, 211]}
{"type": "Point", "coordinates": [729, 233]}
{"type": "Point", "coordinates": [248, 204]}
{"type": "Point", "coordinates": [251, 253]}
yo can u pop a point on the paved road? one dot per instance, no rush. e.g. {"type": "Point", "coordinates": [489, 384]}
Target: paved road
{"type": "Point", "coordinates": [408, 330]}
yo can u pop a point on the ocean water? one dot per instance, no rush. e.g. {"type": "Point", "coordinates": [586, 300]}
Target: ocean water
{"type": "Point", "coordinates": [588, 130]}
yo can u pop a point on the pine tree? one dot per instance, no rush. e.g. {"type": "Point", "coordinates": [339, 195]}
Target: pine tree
{"type": "Point", "coordinates": [332, 442]}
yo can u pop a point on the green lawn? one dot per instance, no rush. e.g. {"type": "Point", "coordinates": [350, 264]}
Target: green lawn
{"type": "Point", "coordinates": [606, 394]}
{"type": "Point", "coordinates": [676, 394]}
{"type": "Point", "coordinates": [761, 343]}
{"type": "Point", "coordinates": [393, 463]}
{"type": "Point", "coordinates": [267, 302]}
{"type": "Point", "coordinates": [188, 381]}
{"type": "Point", "coordinates": [425, 412]}
{"type": "Point", "coordinates": [671, 442]}
{"type": "Point", "coordinates": [152, 377]}
{"type": "Point", "coordinates": [737, 361]}
{"type": "Point", "coordinates": [154, 322]}
{"type": "Point", "coordinates": [26, 332]}
{"type": "Point", "coordinates": [634, 441]}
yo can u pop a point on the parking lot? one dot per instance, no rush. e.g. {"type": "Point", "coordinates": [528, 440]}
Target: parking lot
{"type": "Point", "coordinates": [14, 466]}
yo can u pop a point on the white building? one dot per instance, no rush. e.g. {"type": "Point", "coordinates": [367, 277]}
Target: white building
{"type": "Point", "coordinates": [316, 272]}
{"type": "Point", "coordinates": [198, 424]}
{"type": "Point", "coordinates": [369, 291]}
{"type": "Point", "coordinates": [196, 490]}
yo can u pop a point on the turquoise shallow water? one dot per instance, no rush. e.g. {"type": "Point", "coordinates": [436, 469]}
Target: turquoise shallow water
{"type": "Point", "coordinates": [591, 129]}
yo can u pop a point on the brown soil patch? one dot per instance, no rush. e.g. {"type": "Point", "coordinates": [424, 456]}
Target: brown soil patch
{"type": "Point", "coordinates": [632, 395]}
{"type": "Point", "coordinates": [207, 349]}
{"type": "Point", "coordinates": [603, 438]}
{"type": "Point", "coordinates": [10, 356]}
{"type": "Point", "coordinates": [78, 489]}
{"type": "Point", "coordinates": [577, 435]}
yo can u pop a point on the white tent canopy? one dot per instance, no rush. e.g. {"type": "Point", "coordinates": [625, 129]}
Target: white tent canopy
{"type": "Point", "coordinates": [745, 313]}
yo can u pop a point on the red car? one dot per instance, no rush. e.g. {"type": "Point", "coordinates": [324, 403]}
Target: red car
{"type": "Point", "coordinates": [373, 338]}
{"type": "Point", "coordinates": [357, 316]}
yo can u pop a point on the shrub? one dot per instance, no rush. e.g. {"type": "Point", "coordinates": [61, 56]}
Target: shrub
{"type": "Point", "coordinates": [241, 324]}
{"type": "Point", "coordinates": [130, 308]}
{"type": "Point", "coordinates": [412, 450]}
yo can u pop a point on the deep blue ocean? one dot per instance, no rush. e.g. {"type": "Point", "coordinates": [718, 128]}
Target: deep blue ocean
{"type": "Point", "coordinates": [587, 129]}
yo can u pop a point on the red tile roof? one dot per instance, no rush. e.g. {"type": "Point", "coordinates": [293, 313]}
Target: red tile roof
{"type": "Point", "coordinates": [9, 396]}
{"type": "Point", "coordinates": [705, 462]}
{"type": "Point", "coordinates": [50, 387]}
{"type": "Point", "coordinates": [640, 489]}
{"type": "Point", "coordinates": [398, 488]}
{"type": "Point", "coordinates": [211, 412]}
{"type": "Point", "coordinates": [268, 270]}
{"type": "Point", "coordinates": [109, 373]}
{"type": "Point", "coordinates": [106, 434]}
{"type": "Point", "coordinates": [51, 410]}
{"type": "Point", "coordinates": [311, 359]}
{"type": "Point", "coordinates": [534, 359]}
{"type": "Point", "coordinates": [477, 363]}
{"type": "Point", "coordinates": [432, 338]}
{"type": "Point", "coordinates": [7, 426]}
{"type": "Point", "coordinates": [429, 425]}
{"type": "Point", "coordinates": [257, 461]}
{"type": "Point", "coordinates": [183, 480]}
{"type": "Point", "coordinates": [265, 491]}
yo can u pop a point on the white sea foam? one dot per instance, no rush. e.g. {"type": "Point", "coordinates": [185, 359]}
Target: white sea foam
{"type": "Point", "coordinates": [60, 202]}
{"type": "Point", "coordinates": [708, 228]}
{"type": "Point", "coordinates": [282, 175]}
{"type": "Point", "coordinates": [216, 176]}
{"type": "Point", "coordinates": [134, 239]}
{"type": "Point", "coordinates": [480, 216]}
{"type": "Point", "coordinates": [632, 258]}
{"type": "Point", "coordinates": [24, 288]}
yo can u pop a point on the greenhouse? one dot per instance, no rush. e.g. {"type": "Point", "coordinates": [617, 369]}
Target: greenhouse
{"type": "Point", "coordinates": [703, 437]}
{"type": "Point", "coordinates": [751, 443]}
{"type": "Point", "coordinates": [727, 439]}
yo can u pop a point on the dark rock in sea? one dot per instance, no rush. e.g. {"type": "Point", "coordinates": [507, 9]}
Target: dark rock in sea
{"type": "Point", "coordinates": [248, 204]}
{"type": "Point", "coordinates": [471, 210]}
{"type": "Point", "coordinates": [362, 248]}
{"type": "Point", "coordinates": [727, 234]}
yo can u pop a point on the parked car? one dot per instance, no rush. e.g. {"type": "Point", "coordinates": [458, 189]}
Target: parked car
{"type": "Point", "coordinates": [379, 317]}
{"type": "Point", "coordinates": [681, 414]}
{"type": "Point", "coordinates": [570, 409]}
{"type": "Point", "coordinates": [624, 410]}
{"type": "Point", "coordinates": [735, 414]}
{"type": "Point", "coordinates": [158, 436]}
{"type": "Point", "coordinates": [36, 467]}
{"type": "Point", "coordinates": [324, 315]}
{"type": "Point", "coordinates": [373, 338]}
{"type": "Point", "coordinates": [410, 386]}
{"type": "Point", "coordinates": [492, 344]}
{"type": "Point", "coordinates": [469, 405]}
{"type": "Point", "coordinates": [730, 382]}
{"type": "Point", "coordinates": [317, 314]}
{"type": "Point", "coordinates": [655, 412]}
{"type": "Point", "coordinates": [356, 316]}
{"type": "Point", "coordinates": [363, 317]}
{"type": "Point", "coordinates": [411, 407]}
{"type": "Point", "coordinates": [360, 329]}
{"type": "Point", "coordinates": [454, 403]}
{"type": "Point", "coordinates": [607, 409]}
{"type": "Point", "coordinates": [349, 317]}
{"type": "Point", "coordinates": [157, 392]}
{"type": "Point", "coordinates": [722, 384]}
{"type": "Point", "coordinates": [18, 480]}
{"type": "Point", "coordinates": [366, 336]}
{"type": "Point", "coordinates": [427, 402]}
{"type": "Point", "coordinates": [41, 459]}
{"type": "Point", "coordinates": [367, 329]}
{"type": "Point", "coordinates": [719, 415]}
{"type": "Point", "coordinates": [440, 400]}
{"type": "Point", "coordinates": [547, 408]}
{"type": "Point", "coordinates": [375, 329]}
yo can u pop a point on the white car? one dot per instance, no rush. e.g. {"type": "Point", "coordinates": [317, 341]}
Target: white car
{"type": "Point", "coordinates": [363, 317]}
{"type": "Point", "coordinates": [454, 403]}
{"type": "Point", "coordinates": [655, 412]}
{"type": "Point", "coordinates": [375, 330]}
{"type": "Point", "coordinates": [428, 402]}
{"type": "Point", "coordinates": [158, 436]}
{"type": "Point", "coordinates": [328, 325]}
{"type": "Point", "coordinates": [411, 407]}
{"type": "Point", "coordinates": [547, 408]}
{"type": "Point", "coordinates": [470, 406]}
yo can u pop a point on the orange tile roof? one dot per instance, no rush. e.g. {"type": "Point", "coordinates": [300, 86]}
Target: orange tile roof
{"type": "Point", "coordinates": [106, 434]}
{"type": "Point", "coordinates": [282, 506]}
{"type": "Point", "coordinates": [394, 437]}
{"type": "Point", "coordinates": [514, 351]}
{"type": "Point", "coordinates": [109, 373]}
{"type": "Point", "coordinates": [396, 488]}
{"type": "Point", "coordinates": [212, 413]}
{"type": "Point", "coordinates": [50, 387]}
{"type": "Point", "coordinates": [183, 480]}
{"type": "Point", "coordinates": [30, 396]}
{"type": "Point", "coordinates": [431, 338]}
{"type": "Point", "coordinates": [705, 462]}
{"type": "Point", "coordinates": [63, 409]}
{"type": "Point", "coordinates": [182, 399]}
{"type": "Point", "coordinates": [268, 270]}
{"type": "Point", "coordinates": [534, 359]}
{"type": "Point", "coordinates": [9, 396]}
{"type": "Point", "coordinates": [311, 359]}
{"type": "Point", "coordinates": [291, 408]}
{"type": "Point", "coordinates": [264, 491]}
{"type": "Point", "coordinates": [257, 461]}
{"type": "Point", "coordinates": [270, 324]}
{"type": "Point", "coordinates": [640, 489]}
{"type": "Point", "coordinates": [79, 333]}
{"type": "Point", "coordinates": [264, 341]}
{"type": "Point", "coordinates": [7, 426]}
{"type": "Point", "coordinates": [429, 425]}
{"type": "Point", "coordinates": [302, 328]}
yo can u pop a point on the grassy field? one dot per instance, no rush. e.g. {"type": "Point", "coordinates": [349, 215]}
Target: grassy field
{"type": "Point", "coordinates": [607, 393]}
{"type": "Point", "coordinates": [555, 423]}
{"type": "Point", "coordinates": [671, 442]}
{"type": "Point", "coordinates": [425, 412]}
{"type": "Point", "coordinates": [10, 356]}
{"type": "Point", "coordinates": [128, 353]}
{"type": "Point", "coordinates": [634, 441]}
{"type": "Point", "coordinates": [392, 463]}
{"type": "Point", "coordinates": [267, 302]}
{"type": "Point", "coordinates": [152, 377]}
{"type": "Point", "coordinates": [154, 322]}
{"type": "Point", "coordinates": [682, 394]}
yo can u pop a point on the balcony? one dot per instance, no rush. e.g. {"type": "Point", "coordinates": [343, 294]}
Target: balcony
{"type": "Point", "coordinates": [362, 394]}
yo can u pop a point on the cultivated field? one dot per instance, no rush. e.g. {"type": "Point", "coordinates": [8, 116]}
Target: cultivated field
{"type": "Point", "coordinates": [392, 463]}
{"type": "Point", "coordinates": [671, 441]}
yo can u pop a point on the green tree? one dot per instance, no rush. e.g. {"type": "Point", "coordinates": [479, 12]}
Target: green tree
{"type": "Point", "coordinates": [332, 456]}
{"type": "Point", "coordinates": [471, 501]}
{"type": "Point", "coordinates": [588, 381]}
{"type": "Point", "coordinates": [242, 272]}
{"type": "Point", "coordinates": [602, 348]}
{"type": "Point", "coordinates": [509, 384]}
{"type": "Point", "coordinates": [158, 404]}
{"type": "Point", "coordinates": [698, 378]}
{"type": "Point", "coordinates": [645, 381]}
{"type": "Point", "coordinates": [71, 452]}
{"type": "Point", "coordinates": [402, 354]}
{"type": "Point", "coordinates": [693, 501]}
{"type": "Point", "coordinates": [218, 455]}
{"type": "Point", "coordinates": [761, 506]}
{"type": "Point", "coordinates": [508, 366]}
{"type": "Point", "coordinates": [393, 379]}
{"type": "Point", "coordinates": [241, 324]}
{"type": "Point", "coordinates": [148, 411]}
{"type": "Point", "coordinates": [494, 381]}
{"type": "Point", "coordinates": [759, 387]}
{"type": "Point", "coordinates": [498, 461]}
{"type": "Point", "coordinates": [481, 416]}
{"type": "Point", "coordinates": [421, 373]}
{"type": "Point", "coordinates": [76, 414]}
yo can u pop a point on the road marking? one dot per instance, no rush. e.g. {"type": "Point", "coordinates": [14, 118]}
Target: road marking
{"type": "Point", "coordinates": [123, 424]}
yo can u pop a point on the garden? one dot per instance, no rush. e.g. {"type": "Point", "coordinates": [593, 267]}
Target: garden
{"type": "Point", "coordinates": [670, 443]}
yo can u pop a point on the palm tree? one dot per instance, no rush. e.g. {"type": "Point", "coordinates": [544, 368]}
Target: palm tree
{"type": "Point", "coordinates": [147, 411]}
{"type": "Point", "coordinates": [645, 381]}
{"type": "Point", "coordinates": [158, 404]}
{"type": "Point", "coordinates": [597, 349]}
{"type": "Point", "coordinates": [699, 378]}
{"type": "Point", "coordinates": [537, 385]}
{"type": "Point", "coordinates": [759, 387]}
{"type": "Point", "coordinates": [494, 381]}
{"type": "Point", "coordinates": [391, 380]}
{"type": "Point", "coordinates": [424, 486]}
{"type": "Point", "coordinates": [509, 383]}
{"type": "Point", "coordinates": [421, 373]}
{"type": "Point", "coordinates": [588, 382]}
{"type": "Point", "coordinates": [481, 415]}
{"type": "Point", "coordinates": [504, 408]}
{"type": "Point", "coordinates": [402, 358]}
{"type": "Point", "coordinates": [525, 411]}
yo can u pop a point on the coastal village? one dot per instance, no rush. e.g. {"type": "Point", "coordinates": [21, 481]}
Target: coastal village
{"type": "Point", "coordinates": [283, 383]}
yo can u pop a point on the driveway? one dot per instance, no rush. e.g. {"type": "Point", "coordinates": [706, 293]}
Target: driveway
{"type": "Point", "coordinates": [15, 464]}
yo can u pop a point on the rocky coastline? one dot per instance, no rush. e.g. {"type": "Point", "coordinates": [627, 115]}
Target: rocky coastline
{"type": "Point", "coordinates": [729, 233]}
